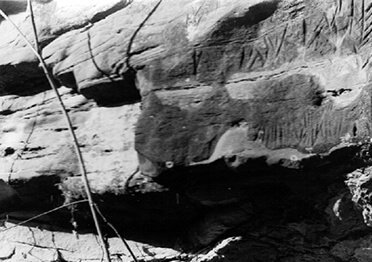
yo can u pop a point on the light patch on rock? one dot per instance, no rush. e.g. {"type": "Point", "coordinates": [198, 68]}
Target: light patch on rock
{"type": "Point", "coordinates": [214, 253]}
{"type": "Point", "coordinates": [6, 250]}
{"type": "Point", "coordinates": [234, 142]}
{"type": "Point", "coordinates": [343, 75]}
{"type": "Point", "coordinates": [21, 244]}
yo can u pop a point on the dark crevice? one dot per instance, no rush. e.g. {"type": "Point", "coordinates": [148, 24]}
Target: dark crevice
{"type": "Point", "coordinates": [117, 7]}
{"type": "Point", "coordinates": [355, 130]}
{"type": "Point", "coordinates": [318, 98]}
{"type": "Point", "coordinates": [9, 151]}
{"type": "Point", "coordinates": [23, 79]}
{"type": "Point", "coordinates": [32, 149]}
{"type": "Point", "coordinates": [110, 90]}
{"type": "Point", "coordinates": [61, 129]}
{"type": "Point", "coordinates": [114, 93]}
{"type": "Point", "coordinates": [230, 27]}
{"type": "Point", "coordinates": [140, 51]}
{"type": "Point", "coordinates": [26, 79]}
{"type": "Point", "coordinates": [338, 92]}
{"type": "Point", "coordinates": [68, 79]}
{"type": "Point", "coordinates": [237, 122]}
{"type": "Point", "coordinates": [11, 7]}
{"type": "Point", "coordinates": [245, 201]}
{"type": "Point", "coordinates": [12, 253]}
{"type": "Point", "coordinates": [6, 112]}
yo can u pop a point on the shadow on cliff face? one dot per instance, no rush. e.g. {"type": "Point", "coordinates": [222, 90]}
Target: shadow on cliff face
{"type": "Point", "coordinates": [24, 79]}
{"type": "Point", "coordinates": [229, 29]}
{"type": "Point", "coordinates": [111, 89]}
{"type": "Point", "coordinates": [206, 203]}
{"type": "Point", "coordinates": [257, 196]}
{"type": "Point", "coordinates": [255, 192]}
{"type": "Point", "coordinates": [203, 204]}
{"type": "Point", "coordinates": [213, 58]}
{"type": "Point", "coordinates": [27, 78]}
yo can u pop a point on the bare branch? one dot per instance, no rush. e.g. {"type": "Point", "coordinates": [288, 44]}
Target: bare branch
{"type": "Point", "coordinates": [43, 214]}
{"type": "Point", "coordinates": [117, 233]}
{"type": "Point", "coordinates": [69, 124]}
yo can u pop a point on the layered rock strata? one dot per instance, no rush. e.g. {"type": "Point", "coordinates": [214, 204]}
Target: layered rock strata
{"type": "Point", "coordinates": [224, 125]}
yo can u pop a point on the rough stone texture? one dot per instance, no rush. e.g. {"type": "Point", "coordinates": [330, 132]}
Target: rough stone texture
{"type": "Point", "coordinates": [205, 69]}
{"type": "Point", "coordinates": [32, 244]}
{"type": "Point", "coordinates": [19, 71]}
{"type": "Point", "coordinates": [35, 130]}
{"type": "Point", "coordinates": [212, 130]}
{"type": "Point", "coordinates": [359, 183]}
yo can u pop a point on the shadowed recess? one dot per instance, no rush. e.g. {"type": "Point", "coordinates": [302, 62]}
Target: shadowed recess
{"type": "Point", "coordinates": [23, 79]}
{"type": "Point", "coordinates": [12, 7]}
{"type": "Point", "coordinates": [232, 25]}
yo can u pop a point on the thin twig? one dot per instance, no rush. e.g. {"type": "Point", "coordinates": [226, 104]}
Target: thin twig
{"type": "Point", "coordinates": [131, 40]}
{"type": "Point", "coordinates": [117, 233]}
{"type": "Point", "coordinates": [69, 124]}
{"type": "Point", "coordinates": [75, 141]}
{"type": "Point", "coordinates": [36, 38]}
{"type": "Point", "coordinates": [45, 213]}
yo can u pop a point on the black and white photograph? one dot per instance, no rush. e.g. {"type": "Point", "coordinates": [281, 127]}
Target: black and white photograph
{"type": "Point", "coordinates": [185, 130]}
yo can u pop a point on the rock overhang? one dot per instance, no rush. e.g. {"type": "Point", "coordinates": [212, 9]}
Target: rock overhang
{"type": "Point", "coordinates": [230, 103]}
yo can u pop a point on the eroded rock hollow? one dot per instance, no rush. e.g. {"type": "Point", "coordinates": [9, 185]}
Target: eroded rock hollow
{"type": "Point", "coordinates": [214, 130]}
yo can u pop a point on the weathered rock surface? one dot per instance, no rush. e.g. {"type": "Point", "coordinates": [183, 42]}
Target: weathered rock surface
{"type": "Point", "coordinates": [224, 125]}
{"type": "Point", "coordinates": [32, 244]}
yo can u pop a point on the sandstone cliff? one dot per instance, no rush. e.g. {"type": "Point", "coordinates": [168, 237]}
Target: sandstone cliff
{"type": "Point", "coordinates": [227, 130]}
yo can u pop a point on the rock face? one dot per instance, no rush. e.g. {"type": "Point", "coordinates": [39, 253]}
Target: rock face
{"type": "Point", "coordinates": [210, 129]}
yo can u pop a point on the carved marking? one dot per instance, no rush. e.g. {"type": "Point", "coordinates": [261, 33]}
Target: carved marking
{"type": "Point", "coordinates": [339, 6]}
{"type": "Point", "coordinates": [268, 136]}
{"type": "Point", "coordinates": [363, 20]}
{"type": "Point", "coordinates": [270, 42]}
{"type": "Point", "coordinates": [193, 18]}
{"type": "Point", "coordinates": [316, 33]}
{"type": "Point", "coordinates": [267, 48]}
{"type": "Point", "coordinates": [250, 52]}
{"type": "Point", "coordinates": [366, 24]}
{"type": "Point", "coordinates": [327, 21]}
{"type": "Point", "coordinates": [366, 62]}
{"type": "Point", "coordinates": [339, 125]}
{"type": "Point", "coordinates": [196, 60]}
{"type": "Point", "coordinates": [194, 63]}
{"type": "Point", "coordinates": [280, 135]}
{"type": "Point", "coordinates": [304, 29]}
{"type": "Point", "coordinates": [355, 48]}
{"type": "Point", "coordinates": [366, 35]}
{"type": "Point", "coordinates": [367, 32]}
{"type": "Point", "coordinates": [242, 57]}
{"type": "Point", "coordinates": [351, 15]}
{"type": "Point", "coordinates": [368, 15]}
{"type": "Point", "coordinates": [261, 56]}
{"type": "Point", "coordinates": [281, 40]}
{"type": "Point", "coordinates": [369, 7]}
{"type": "Point", "coordinates": [253, 59]}
{"type": "Point", "coordinates": [334, 18]}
